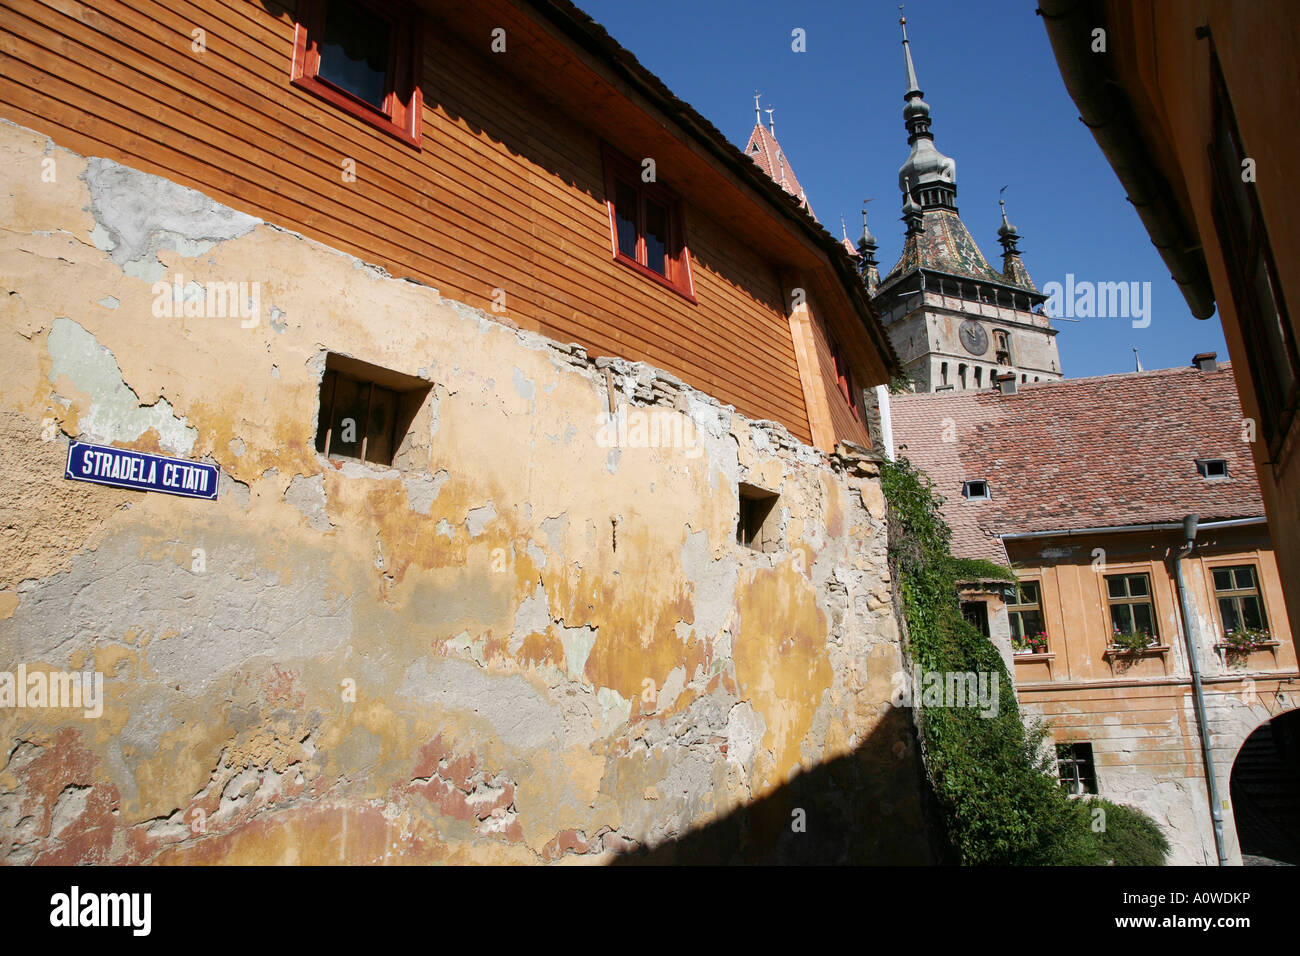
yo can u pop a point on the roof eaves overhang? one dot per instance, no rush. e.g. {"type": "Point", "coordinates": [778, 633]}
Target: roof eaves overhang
{"type": "Point", "coordinates": [1107, 111]}
{"type": "Point", "coordinates": [590, 36]}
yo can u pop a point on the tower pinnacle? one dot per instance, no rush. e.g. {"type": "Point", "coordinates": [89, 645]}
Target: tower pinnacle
{"type": "Point", "coordinates": [932, 175]}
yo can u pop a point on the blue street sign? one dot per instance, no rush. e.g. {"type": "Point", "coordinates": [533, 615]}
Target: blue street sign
{"type": "Point", "coordinates": [143, 472]}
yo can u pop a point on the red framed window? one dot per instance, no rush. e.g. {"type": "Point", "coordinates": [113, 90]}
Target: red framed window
{"type": "Point", "coordinates": [844, 378]}
{"type": "Point", "coordinates": [362, 56]}
{"type": "Point", "coordinates": [647, 227]}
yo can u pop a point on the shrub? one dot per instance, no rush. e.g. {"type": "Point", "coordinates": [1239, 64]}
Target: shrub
{"type": "Point", "coordinates": [1129, 837]}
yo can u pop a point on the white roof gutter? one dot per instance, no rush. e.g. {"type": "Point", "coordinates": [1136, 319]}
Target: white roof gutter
{"type": "Point", "coordinates": [1112, 529]}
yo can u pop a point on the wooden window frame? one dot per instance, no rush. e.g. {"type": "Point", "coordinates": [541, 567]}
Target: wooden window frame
{"type": "Point", "coordinates": [1245, 248]}
{"type": "Point", "coordinates": [677, 253]}
{"type": "Point", "coordinates": [1014, 610]}
{"type": "Point", "coordinates": [402, 112]}
{"type": "Point", "coordinates": [1071, 757]}
{"type": "Point", "coordinates": [1128, 600]}
{"type": "Point", "coordinates": [1236, 594]}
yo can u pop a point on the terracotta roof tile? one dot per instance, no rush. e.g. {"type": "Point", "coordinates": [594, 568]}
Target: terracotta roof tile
{"type": "Point", "coordinates": [1085, 452]}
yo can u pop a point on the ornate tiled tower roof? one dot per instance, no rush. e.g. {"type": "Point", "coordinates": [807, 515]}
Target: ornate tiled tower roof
{"type": "Point", "coordinates": [937, 239]}
{"type": "Point", "coordinates": [764, 150]}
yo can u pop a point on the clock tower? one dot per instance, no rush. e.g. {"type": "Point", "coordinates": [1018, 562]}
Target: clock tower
{"type": "Point", "coordinates": [956, 322]}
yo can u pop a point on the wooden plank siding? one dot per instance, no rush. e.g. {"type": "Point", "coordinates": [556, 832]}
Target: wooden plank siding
{"type": "Point", "coordinates": [508, 192]}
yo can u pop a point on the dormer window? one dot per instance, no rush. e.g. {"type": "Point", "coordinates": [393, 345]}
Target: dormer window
{"type": "Point", "coordinates": [1212, 467]}
{"type": "Point", "coordinates": [978, 490]}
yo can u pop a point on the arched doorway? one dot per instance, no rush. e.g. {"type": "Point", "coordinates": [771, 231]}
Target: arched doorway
{"type": "Point", "coordinates": [1266, 792]}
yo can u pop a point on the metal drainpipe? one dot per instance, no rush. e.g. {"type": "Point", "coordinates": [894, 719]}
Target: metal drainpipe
{"type": "Point", "coordinates": [1216, 807]}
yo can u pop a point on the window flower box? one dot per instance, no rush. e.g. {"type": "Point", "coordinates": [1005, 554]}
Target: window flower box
{"type": "Point", "coordinates": [1133, 642]}
{"type": "Point", "coordinates": [1029, 643]}
{"type": "Point", "coordinates": [1248, 639]}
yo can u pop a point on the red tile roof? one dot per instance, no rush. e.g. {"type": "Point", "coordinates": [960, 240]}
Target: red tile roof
{"type": "Point", "coordinates": [1081, 453]}
{"type": "Point", "coordinates": [764, 150]}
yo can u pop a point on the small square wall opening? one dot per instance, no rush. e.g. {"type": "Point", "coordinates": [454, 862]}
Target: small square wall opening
{"type": "Point", "coordinates": [977, 489]}
{"type": "Point", "coordinates": [366, 410]}
{"type": "Point", "coordinates": [757, 519]}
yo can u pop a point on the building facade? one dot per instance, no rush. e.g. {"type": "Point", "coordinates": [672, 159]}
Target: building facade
{"type": "Point", "coordinates": [545, 523]}
{"type": "Point", "coordinates": [1193, 104]}
{"type": "Point", "coordinates": [1083, 487]}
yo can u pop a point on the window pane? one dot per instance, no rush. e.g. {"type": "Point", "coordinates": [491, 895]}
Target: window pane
{"type": "Point", "coordinates": [656, 237]}
{"type": "Point", "coordinates": [1029, 593]}
{"type": "Point", "coordinates": [1245, 578]}
{"type": "Point", "coordinates": [625, 218]}
{"type": "Point", "coordinates": [1137, 585]}
{"type": "Point", "coordinates": [1032, 622]}
{"type": "Point", "coordinates": [1142, 619]}
{"type": "Point", "coordinates": [1251, 613]}
{"type": "Point", "coordinates": [1017, 630]}
{"type": "Point", "coordinates": [1271, 320]}
{"type": "Point", "coordinates": [1228, 611]}
{"type": "Point", "coordinates": [354, 51]}
{"type": "Point", "coordinates": [1115, 586]}
{"type": "Point", "coordinates": [1223, 579]}
{"type": "Point", "coordinates": [1227, 154]}
{"type": "Point", "coordinates": [1122, 618]}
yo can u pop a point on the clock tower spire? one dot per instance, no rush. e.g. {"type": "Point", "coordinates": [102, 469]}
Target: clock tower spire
{"type": "Point", "coordinates": [955, 321]}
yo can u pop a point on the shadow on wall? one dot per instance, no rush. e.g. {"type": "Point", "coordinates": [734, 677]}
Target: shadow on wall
{"type": "Point", "coordinates": [873, 806]}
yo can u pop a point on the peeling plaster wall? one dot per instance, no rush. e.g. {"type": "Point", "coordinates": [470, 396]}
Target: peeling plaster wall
{"type": "Point", "coordinates": [519, 645]}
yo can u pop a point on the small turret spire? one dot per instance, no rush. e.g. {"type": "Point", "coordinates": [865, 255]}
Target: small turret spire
{"type": "Point", "coordinates": [758, 114]}
{"type": "Point", "coordinates": [913, 215]}
{"type": "Point", "coordinates": [867, 264]}
{"type": "Point", "coordinates": [1013, 267]}
{"type": "Point", "coordinates": [1008, 234]}
{"type": "Point", "coordinates": [867, 239]}
{"type": "Point", "coordinates": [771, 123]}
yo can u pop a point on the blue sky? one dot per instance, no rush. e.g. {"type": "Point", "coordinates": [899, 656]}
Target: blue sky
{"type": "Point", "coordinates": [998, 106]}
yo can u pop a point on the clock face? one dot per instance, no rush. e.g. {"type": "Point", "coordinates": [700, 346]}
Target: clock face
{"type": "Point", "coordinates": [974, 337]}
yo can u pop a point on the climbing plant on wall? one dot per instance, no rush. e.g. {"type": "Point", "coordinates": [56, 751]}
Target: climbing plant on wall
{"type": "Point", "coordinates": [994, 780]}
